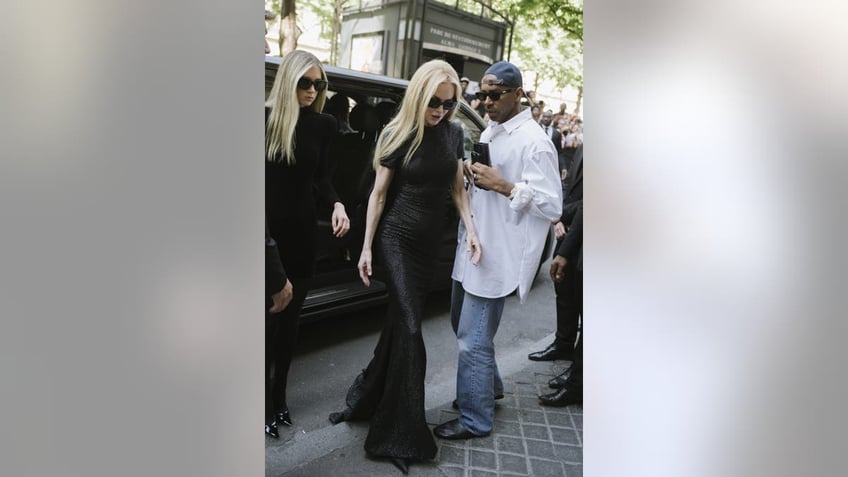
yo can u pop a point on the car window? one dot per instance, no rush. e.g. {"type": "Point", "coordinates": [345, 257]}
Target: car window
{"type": "Point", "coordinates": [471, 130]}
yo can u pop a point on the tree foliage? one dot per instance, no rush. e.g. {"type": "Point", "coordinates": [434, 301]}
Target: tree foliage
{"type": "Point", "coordinates": [548, 39]}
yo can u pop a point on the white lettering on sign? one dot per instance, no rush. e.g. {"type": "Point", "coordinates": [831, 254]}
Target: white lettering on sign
{"type": "Point", "coordinates": [457, 40]}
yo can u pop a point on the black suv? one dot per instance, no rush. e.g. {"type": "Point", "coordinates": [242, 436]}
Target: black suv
{"type": "Point", "coordinates": [336, 287]}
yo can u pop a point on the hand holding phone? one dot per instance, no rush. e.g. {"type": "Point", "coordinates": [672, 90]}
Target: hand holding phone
{"type": "Point", "coordinates": [480, 153]}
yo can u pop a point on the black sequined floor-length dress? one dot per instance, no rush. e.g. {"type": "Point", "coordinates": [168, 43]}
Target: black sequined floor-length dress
{"type": "Point", "coordinates": [390, 391]}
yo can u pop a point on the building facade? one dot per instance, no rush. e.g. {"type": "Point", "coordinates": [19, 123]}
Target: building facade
{"type": "Point", "coordinates": [394, 37]}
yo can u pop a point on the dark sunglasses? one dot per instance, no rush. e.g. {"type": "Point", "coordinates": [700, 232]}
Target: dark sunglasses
{"type": "Point", "coordinates": [495, 95]}
{"type": "Point", "coordinates": [304, 84]}
{"type": "Point", "coordinates": [435, 103]}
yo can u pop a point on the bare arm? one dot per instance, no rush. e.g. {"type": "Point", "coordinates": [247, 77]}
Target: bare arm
{"type": "Point", "coordinates": [376, 202]}
{"type": "Point", "coordinates": [460, 201]}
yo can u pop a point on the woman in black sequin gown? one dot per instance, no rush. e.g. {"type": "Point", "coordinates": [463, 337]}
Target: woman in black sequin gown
{"type": "Point", "coordinates": [417, 161]}
{"type": "Point", "coordinates": [297, 137]}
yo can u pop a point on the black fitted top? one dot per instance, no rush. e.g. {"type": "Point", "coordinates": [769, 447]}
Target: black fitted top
{"type": "Point", "coordinates": [296, 194]}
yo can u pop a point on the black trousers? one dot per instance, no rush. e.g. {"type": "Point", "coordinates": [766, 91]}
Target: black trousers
{"type": "Point", "coordinates": [569, 304]}
{"type": "Point", "coordinates": [280, 340]}
{"type": "Point", "coordinates": [575, 380]}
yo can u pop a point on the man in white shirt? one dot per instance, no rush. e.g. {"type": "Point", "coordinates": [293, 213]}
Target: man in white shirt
{"type": "Point", "coordinates": [513, 203]}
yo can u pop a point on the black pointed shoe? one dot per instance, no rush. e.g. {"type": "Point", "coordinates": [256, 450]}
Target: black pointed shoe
{"type": "Point", "coordinates": [453, 430]}
{"type": "Point", "coordinates": [562, 397]}
{"type": "Point", "coordinates": [561, 379]}
{"type": "Point", "coordinates": [552, 352]}
{"type": "Point", "coordinates": [284, 417]}
{"type": "Point", "coordinates": [271, 430]}
{"type": "Point", "coordinates": [401, 464]}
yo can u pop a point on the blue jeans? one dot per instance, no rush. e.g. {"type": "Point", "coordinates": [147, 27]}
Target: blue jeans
{"type": "Point", "coordinates": [475, 321]}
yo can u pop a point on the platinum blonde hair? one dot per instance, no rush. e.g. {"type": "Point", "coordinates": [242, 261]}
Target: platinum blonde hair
{"type": "Point", "coordinates": [285, 108]}
{"type": "Point", "coordinates": [410, 120]}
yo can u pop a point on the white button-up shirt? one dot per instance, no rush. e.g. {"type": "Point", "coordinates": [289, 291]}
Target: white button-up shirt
{"type": "Point", "coordinates": [512, 233]}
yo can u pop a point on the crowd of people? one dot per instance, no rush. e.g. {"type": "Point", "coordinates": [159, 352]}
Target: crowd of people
{"type": "Point", "coordinates": [529, 177]}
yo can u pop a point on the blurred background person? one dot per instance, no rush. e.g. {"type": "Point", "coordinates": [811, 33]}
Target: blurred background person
{"type": "Point", "coordinates": [567, 299]}
{"type": "Point", "coordinates": [569, 384]}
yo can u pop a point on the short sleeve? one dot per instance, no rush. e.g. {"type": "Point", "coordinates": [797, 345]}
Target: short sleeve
{"type": "Point", "coordinates": [396, 157]}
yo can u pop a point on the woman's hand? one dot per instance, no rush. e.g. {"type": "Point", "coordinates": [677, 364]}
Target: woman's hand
{"type": "Point", "coordinates": [341, 224]}
{"type": "Point", "coordinates": [281, 299]}
{"type": "Point", "coordinates": [474, 247]}
{"type": "Point", "coordinates": [365, 267]}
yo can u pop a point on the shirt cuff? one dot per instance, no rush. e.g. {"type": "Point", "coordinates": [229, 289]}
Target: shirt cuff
{"type": "Point", "coordinates": [522, 197]}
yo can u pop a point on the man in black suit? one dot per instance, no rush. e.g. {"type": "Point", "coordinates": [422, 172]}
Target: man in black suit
{"type": "Point", "coordinates": [569, 291]}
{"type": "Point", "coordinates": [551, 132]}
{"type": "Point", "coordinates": [569, 385]}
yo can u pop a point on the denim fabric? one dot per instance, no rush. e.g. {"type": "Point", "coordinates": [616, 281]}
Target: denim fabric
{"type": "Point", "coordinates": [475, 321]}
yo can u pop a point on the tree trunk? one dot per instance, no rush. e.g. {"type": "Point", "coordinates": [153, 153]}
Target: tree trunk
{"type": "Point", "coordinates": [579, 100]}
{"type": "Point", "coordinates": [335, 32]}
{"type": "Point", "coordinates": [289, 31]}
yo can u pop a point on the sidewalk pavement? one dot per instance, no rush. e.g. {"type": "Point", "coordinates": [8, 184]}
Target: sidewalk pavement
{"type": "Point", "coordinates": [528, 440]}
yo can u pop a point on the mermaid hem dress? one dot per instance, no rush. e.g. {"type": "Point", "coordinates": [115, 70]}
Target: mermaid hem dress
{"type": "Point", "coordinates": [390, 391]}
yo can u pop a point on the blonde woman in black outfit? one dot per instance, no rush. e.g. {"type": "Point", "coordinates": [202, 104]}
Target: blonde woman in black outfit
{"type": "Point", "coordinates": [297, 138]}
{"type": "Point", "coordinates": [417, 160]}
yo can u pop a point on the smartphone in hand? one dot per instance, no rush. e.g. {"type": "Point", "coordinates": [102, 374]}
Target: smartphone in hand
{"type": "Point", "coordinates": [480, 153]}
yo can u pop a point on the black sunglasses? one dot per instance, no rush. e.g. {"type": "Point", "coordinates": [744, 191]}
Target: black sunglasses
{"type": "Point", "coordinates": [495, 95]}
{"type": "Point", "coordinates": [435, 103]}
{"type": "Point", "coordinates": [304, 84]}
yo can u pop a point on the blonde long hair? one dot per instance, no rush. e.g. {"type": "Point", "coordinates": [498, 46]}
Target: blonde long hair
{"type": "Point", "coordinates": [285, 109]}
{"type": "Point", "coordinates": [410, 120]}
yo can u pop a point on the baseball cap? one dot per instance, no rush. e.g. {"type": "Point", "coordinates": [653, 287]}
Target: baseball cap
{"type": "Point", "coordinates": [507, 74]}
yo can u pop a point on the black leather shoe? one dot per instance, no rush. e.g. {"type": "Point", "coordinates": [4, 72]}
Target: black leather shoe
{"type": "Point", "coordinates": [271, 430]}
{"type": "Point", "coordinates": [453, 430]}
{"type": "Point", "coordinates": [284, 417]}
{"type": "Point", "coordinates": [559, 381]}
{"type": "Point", "coordinates": [401, 464]}
{"type": "Point", "coordinates": [552, 352]}
{"type": "Point", "coordinates": [455, 404]}
{"type": "Point", "coordinates": [562, 397]}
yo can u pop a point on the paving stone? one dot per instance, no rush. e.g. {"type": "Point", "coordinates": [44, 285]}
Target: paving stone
{"type": "Point", "coordinates": [576, 409]}
{"type": "Point", "coordinates": [510, 444]}
{"type": "Point", "coordinates": [578, 421]}
{"type": "Point", "coordinates": [569, 453]}
{"type": "Point", "coordinates": [560, 419]}
{"type": "Point", "coordinates": [573, 470]}
{"type": "Point", "coordinates": [451, 471]}
{"type": "Point", "coordinates": [487, 442]}
{"type": "Point", "coordinates": [547, 468]}
{"type": "Point", "coordinates": [482, 473]}
{"type": "Point", "coordinates": [507, 428]}
{"type": "Point", "coordinates": [451, 455]}
{"type": "Point", "coordinates": [524, 377]}
{"type": "Point", "coordinates": [507, 401]}
{"type": "Point", "coordinates": [513, 463]}
{"type": "Point", "coordinates": [483, 459]}
{"type": "Point", "coordinates": [541, 449]}
{"type": "Point", "coordinates": [565, 436]}
{"type": "Point", "coordinates": [525, 389]}
{"type": "Point", "coordinates": [535, 432]}
{"type": "Point", "coordinates": [506, 414]}
{"type": "Point", "coordinates": [528, 402]}
{"type": "Point", "coordinates": [534, 417]}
